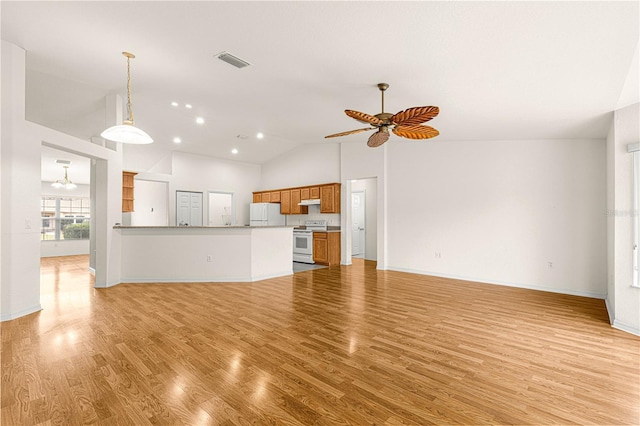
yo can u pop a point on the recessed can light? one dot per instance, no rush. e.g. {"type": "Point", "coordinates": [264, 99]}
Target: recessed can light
{"type": "Point", "coordinates": [188, 106]}
{"type": "Point", "coordinates": [177, 140]}
{"type": "Point", "coordinates": [234, 151]}
{"type": "Point", "coordinates": [174, 104]}
{"type": "Point", "coordinates": [259, 135]}
{"type": "Point", "coordinates": [200, 120]}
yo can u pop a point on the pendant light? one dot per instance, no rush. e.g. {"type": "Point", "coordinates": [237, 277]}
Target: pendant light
{"type": "Point", "coordinates": [127, 132]}
{"type": "Point", "coordinates": [66, 183]}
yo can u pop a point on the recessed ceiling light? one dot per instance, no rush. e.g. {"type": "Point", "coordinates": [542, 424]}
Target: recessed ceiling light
{"type": "Point", "coordinates": [259, 135]}
{"type": "Point", "coordinates": [188, 106]}
{"type": "Point", "coordinates": [234, 151]}
{"type": "Point", "coordinates": [177, 140]}
{"type": "Point", "coordinates": [174, 104]}
{"type": "Point", "coordinates": [200, 120]}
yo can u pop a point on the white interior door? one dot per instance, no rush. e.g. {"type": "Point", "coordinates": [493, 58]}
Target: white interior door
{"type": "Point", "coordinates": [189, 208]}
{"type": "Point", "coordinates": [357, 224]}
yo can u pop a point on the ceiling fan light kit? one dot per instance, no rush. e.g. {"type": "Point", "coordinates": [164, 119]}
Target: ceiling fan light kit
{"type": "Point", "coordinates": [406, 124]}
{"type": "Point", "coordinates": [127, 132]}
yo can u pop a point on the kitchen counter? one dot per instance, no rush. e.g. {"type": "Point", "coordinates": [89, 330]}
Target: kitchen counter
{"type": "Point", "coordinates": [152, 254]}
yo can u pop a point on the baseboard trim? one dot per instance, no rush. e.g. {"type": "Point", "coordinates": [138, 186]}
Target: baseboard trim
{"type": "Point", "coordinates": [131, 280]}
{"type": "Point", "coordinates": [503, 283]}
{"type": "Point", "coordinates": [15, 315]}
{"type": "Point", "coordinates": [626, 327]}
{"type": "Point", "coordinates": [609, 310]}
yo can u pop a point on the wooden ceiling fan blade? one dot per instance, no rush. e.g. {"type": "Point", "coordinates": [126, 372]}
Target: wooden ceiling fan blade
{"type": "Point", "coordinates": [364, 118]}
{"type": "Point", "coordinates": [415, 132]}
{"type": "Point", "coordinates": [378, 138]}
{"type": "Point", "coordinates": [415, 116]}
{"type": "Point", "coordinates": [350, 132]}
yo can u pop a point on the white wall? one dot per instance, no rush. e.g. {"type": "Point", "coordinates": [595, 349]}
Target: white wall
{"type": "Point", "coordinates": [308, 164]}
{"type": "Point", "coordinates": [201, 174]}
{"type": "Point", "coordinates": [151, 203]}
{"type": "Point", "coordinates": [21, 192]}
{"type": "Point", "coordinates": [521, 213]}
{"type": "Point", "coordinates": [623, 300]}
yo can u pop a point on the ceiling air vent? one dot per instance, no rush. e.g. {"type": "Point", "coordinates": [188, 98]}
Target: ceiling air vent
{"type": "Point", "coordinates": [67, 162]}
{"type": "Point", "coordinates": [230, 59]}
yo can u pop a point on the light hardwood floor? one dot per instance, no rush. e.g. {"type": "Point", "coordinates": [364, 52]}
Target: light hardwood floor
{"type": "Point", "coordinates": [334, 346]}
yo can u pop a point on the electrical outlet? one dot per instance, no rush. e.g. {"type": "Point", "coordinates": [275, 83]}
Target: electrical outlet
{"type": "Point", "coordinates": [438, 255]}
{"type": "Point", "coordinates": [209, 258]}
{"type": "Point", "coordinates": [550, 265]}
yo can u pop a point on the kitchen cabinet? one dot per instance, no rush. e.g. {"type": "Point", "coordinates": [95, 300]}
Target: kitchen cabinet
{"type": "Point", "coordinates": [326, 248]}
{"type": "Point", "coordinates": [330, 198]}
{"type": "Point", "coordinates": [285, 202]}
{"type": "Point", "coordinates": [304, 193]}
{"type": "Point", "coordinates": [295, 199]}
{"type": "Point", "coordinates": [329, 195]}
{"type": "Point", "coordinates": [314, 192]}
{"type": "Point", "coordinates": [127, 191]}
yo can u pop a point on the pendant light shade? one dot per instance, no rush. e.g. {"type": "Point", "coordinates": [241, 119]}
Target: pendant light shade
{"type": "Point", "coordinates": [127, 132]}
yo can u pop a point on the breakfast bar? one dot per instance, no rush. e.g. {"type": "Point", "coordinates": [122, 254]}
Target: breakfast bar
{"type": "Point", "coordinates": [205, 253]}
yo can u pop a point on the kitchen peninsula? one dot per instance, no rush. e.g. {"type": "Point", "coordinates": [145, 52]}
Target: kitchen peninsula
{"type": "Point", "coordinates": [204, 253]}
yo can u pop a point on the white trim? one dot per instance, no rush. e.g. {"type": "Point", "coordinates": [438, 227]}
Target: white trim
{"type": "Point", "coordinates": [502, 283]}
{"type": "Point", "coordinates": [626, 327]}
{"type": "Point", "coordinates": [609, 310]}
{"type": "Point", "coordinates": [230, 280]}
{"type": "Point", "coordinates": [15, 315]}
{"type": "Point", "coordinates": [633, 147]}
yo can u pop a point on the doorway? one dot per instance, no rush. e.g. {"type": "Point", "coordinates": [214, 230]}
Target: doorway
{"type": "Point", "coordinates": [358, 214]}
{"type": "Point", "coordinates": [188, 208]}
{"type": "Point", "coordinates": [221, 210]}
{"type": "Point", "coordinates": [364, 219]}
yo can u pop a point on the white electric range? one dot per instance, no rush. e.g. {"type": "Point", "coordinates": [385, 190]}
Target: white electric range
{"type": "Point", "coordinates": [303, 240]}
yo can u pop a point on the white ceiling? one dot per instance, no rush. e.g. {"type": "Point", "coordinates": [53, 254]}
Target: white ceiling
{"type": "Point", "coordinates": [497, 70]}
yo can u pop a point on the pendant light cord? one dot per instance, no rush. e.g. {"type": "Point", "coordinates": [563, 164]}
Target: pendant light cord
{"type": "Point", "coordinates": [129, 106]}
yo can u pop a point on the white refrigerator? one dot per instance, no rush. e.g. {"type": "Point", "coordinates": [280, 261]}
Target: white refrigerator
{"type": "Point", "coordinates": [265, 214]}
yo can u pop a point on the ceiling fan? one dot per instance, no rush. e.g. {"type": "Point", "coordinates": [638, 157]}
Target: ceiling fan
{"type": "Point", "coordinates": [407, 123]}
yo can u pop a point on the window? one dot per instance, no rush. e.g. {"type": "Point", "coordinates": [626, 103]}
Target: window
{"type": "Point", "coordinates": [64, 218]}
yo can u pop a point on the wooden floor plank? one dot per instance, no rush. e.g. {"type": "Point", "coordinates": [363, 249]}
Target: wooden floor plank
{"type": "Point", "coordinates": [345, 345]}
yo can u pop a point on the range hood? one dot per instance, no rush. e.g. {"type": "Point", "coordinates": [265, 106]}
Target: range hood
{"type": "Point", "coordinates": [314, 202]}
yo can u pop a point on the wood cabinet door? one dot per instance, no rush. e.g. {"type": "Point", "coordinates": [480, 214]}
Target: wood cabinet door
{"type": "Point", "coordinates": [304, 193]}
{"type": "Point", "coordinates": [274, 197]}
{"type": "Point", "coordinates": [320, 248]}
{"type": "Point", "coordinates": [330, 198]}
{"type": "Point", "coordinates": [266, 197]}
{"type": "Point", "coordinates": [327, 199]}
{"type": "Point", "coordinates": [314, 192]}
{"type": "Point", "coordinates": [285, 202]}
{"type": "Point", "coordinates": [295, 199]}
{"type": "Point", "coordinates": [257, 197]}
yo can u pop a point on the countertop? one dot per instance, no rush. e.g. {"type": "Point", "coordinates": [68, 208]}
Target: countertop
{"type": "Point", "coordinates": [329, 228]}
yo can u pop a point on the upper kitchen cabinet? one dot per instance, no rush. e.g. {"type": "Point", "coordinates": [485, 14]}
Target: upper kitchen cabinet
{"type": "Point", "coordinates": [314, 192]}
{"type": "Point", "coordinates": [330, 198]}
{"type": "Point", "coordinates": [274, 197]}
{"type": "Point", "coordinates": [257, 197]}
{"type": "Point", "coordinates": [295, 200]}
{"type": "Point", "coordinates": [285, 202]}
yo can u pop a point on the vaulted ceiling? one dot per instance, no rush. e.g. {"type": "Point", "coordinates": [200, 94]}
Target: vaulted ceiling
{"type": "Point", "coordinates": [497, 70]}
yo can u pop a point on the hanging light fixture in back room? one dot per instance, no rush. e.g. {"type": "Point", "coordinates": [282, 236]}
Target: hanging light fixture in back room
{"type": "Point", "coordinates": [127, 132]}
{"type": "Point", "coordinates": [65, 183]}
